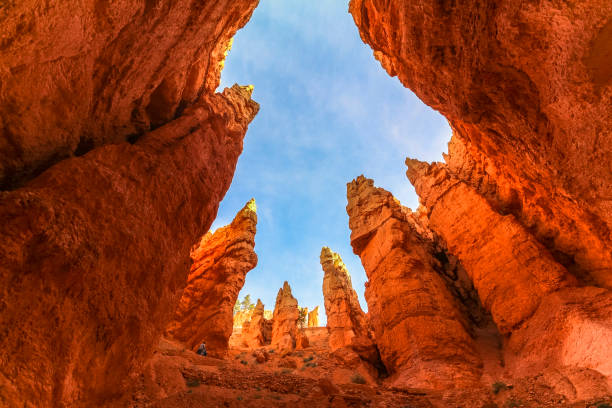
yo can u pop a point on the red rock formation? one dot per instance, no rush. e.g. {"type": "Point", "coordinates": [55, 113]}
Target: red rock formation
{"type": "Point", "coordinates": [284, 320]}
{"type": "Point", "coordinates": [242, 317]}
{"type": "Point", "coordinates": [253, 331]}
{"type": "Point", "coordinates": [526, 89]}
{"type": "Point", "coordinates": [511, 270]}
{"type": "Point", "coordinates": [347, 324]}
{"type": "Point", "coordinates": [313, 317]}
{"type": "Point", "coordinates": [551, 327]}
{"type": "Point", "coordinates": [76, 76]}
{"type": "Point", "coordinates": [420, 330]}
{"type": "Point", "coordinates": [221, 261]}
{"type": "Point", "coordinates": [95, 250]}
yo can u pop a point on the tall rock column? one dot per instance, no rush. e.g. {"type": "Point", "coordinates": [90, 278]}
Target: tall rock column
{"type": "Point", "coordinates": [510, 269]}
{"type": "Point", "coordinates": [253, 331]}
{"type": "Point", "coordinates": [221, 261]}
{"type": "Point", "coordinates": [284, 320]}
{"type": "Point", "coordinates": [347, 323]}
{"type": "Point", "coordinates": [420, 330]}
{"type": "Point", "coordinates": [313, 317]}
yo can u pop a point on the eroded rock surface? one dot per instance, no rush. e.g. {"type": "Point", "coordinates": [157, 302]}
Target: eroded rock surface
{"type": "Point", "coordinates": [79, 75]}
{"type": "Point", "coordinates": [420, 329]}
{"type": "Point", "coordinates": [526, 89]}
{"type": "Point", "coordinates": [221, 261]}
{"type": "Point", "coordinates": [347, 323]}
{"type": "Point", "coordinates": [95, 253]}
{"type": "Point", "coordinates": [285, 320]}
{"type": "Point", "coordinates": [313, 317]}
{"type": "Point", "coordinates": [253, 331]}
{"type": "Point", "coordinates": [95, 248]}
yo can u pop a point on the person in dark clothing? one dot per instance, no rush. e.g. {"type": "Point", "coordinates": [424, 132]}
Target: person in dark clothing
{"type": "Point", "coordinates": [202, 349]}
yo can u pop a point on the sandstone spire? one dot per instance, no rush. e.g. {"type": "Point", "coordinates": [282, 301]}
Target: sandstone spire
{"type": "Point", "coordinates": [420, 330]}
{"type": "Point", "coordinates": [284, 320]}
{"type": "Point", "coordinates": [313, 317]}
{"type": "Point", "coordinates": [253, 331]}
{"type": "Point", "coordinates": [346, 321]}
{"type": "Point", "coordinates": [220, 264]}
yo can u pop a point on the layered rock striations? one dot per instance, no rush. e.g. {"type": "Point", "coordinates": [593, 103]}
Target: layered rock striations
{"type": "Point", "coordinates": [421, 330]}
{"type": "Point", "coordinates": [551, 322]}
{"type": "Point", "coordinates": [95, 248]}
{"type": "Point", "coordinates": [254, 331]}
{"type": "Point", "coordinates": [313, 317]}
{"type": "Point", "coordinates": [526, 90]}
{"type": "Point", "coordinates": [95, 253]}
{"type": "Point", "coordinates": [285, 320]}
{"type": "Point", "coordinates": [76, 76]}
{"type": "Point", "coordinates": [221, 261]}
{"type": "Point", "coordinates": [346, 322]}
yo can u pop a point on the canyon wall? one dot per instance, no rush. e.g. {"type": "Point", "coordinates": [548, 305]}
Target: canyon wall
{"type": "Point", "coordinates": [421, 330]}
{"type": "Point", "coordinates": [221, 261]}
{"type": "Point", "coordinates": [95, 248]}
{"type": "Point", "coordinates": [526, 89]}
{"type": "Point", "coordinates": [347, 323]}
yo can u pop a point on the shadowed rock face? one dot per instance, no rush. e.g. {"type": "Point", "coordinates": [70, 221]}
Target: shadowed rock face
{"type": "Point", "coordinates": [78, 75]}
{"type": "Point", "coordinates": [420, 329]}
{"type": "Point", "coordinates": [95, 248]}
{"type": "Point", "coordinates": [220, 263]}
{"type": "Point", "coordinates": [284, 320]}
{"type": "Point", "coordinates": [526, 89]}
{"type": "Point", "coordinates": [347, 324]}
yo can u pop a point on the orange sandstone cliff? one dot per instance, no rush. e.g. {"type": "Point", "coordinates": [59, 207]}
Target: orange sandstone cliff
{"type": "Point", "coordinates": [526, 89]}
{"type": "Point", "coordinates": [313, 317]}
{"type": "Point", "coordinates": [118, 152]}
{"type": "Point", "coordinates": [422, 332]}
{"type": "Point", "coordinates": [221, 261]}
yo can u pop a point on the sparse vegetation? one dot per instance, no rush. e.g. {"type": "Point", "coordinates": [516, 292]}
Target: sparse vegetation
{"type": "Point", "coordinates": [311, 364]}
{"type": "Point", "coordinates": [603, 405]}
{"type": "Point", "coordinates": [192, 382]}
{"type": "Point", "coordinates": [244, 362]}
{"type": "Point", "coordinates": [513, 403]}
{"type": "Point", "coordinates": [499, 386]}
{"type": "Point", "coordinates": [239, 398]}
{"type": "Point", "coordinates": [271, 351]}
{"type": "Point", "coordinates": [358, 379]}
{"type": "Point", "coordinates": [307, 359]}
{"type": "Point", "coordinates": [302, 317]}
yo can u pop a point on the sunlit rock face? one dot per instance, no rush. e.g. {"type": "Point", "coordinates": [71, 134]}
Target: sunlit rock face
{"type": "Point", "coordinates": [221, 261]}
{"type": "Point", "coordinates": [284, 320]}
{"type": "Point", "coordinates": [95, 249]}
{"type": "Point", "coordinates": [552, 324]}
{"type": "Point", "coordinates": [313, 317]}
{"type": "Point", "coordinates": [526, 89]}
{"type": "Point", "coordinates": [420, 328]}
{"type": "Point", "coordinates": [254, 331]}
{"type": "Point", "coordinates": [79, 75]}
{"type": "Point", "coordinates": [347, 324]}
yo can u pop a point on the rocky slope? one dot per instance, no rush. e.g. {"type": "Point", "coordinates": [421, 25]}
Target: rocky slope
{"type": "Point", "coordinates": [95, 249]}
{"type": "Point", "coordinates": [284, 320]}
{"type": "Point", "coordinates": [221, 261]}
{"type": "Point", "coordinates": [347, 323]}
{"type": "Point", "coordinates": [421, 330]}
{"type": "Point", "coordinates": [526, 89]}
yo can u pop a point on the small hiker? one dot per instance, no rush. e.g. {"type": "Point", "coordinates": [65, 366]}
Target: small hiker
{"type": "Point", "coordinates": [202, 349]}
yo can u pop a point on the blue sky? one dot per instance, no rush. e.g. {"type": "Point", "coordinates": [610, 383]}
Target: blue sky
{"type": "Point", "coordinates": [329, 113]}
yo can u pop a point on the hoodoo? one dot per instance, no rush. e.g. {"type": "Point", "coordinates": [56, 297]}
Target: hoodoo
{"type": "Point", "coordinates": [421, 330]}
{"type": "Point", "coordinates": [221, 261]}
{"type": "Point", "coordinates": [347, 324]}
{"type": "Point", "coordinates": [285, 320]}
